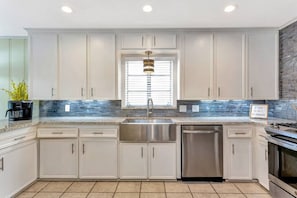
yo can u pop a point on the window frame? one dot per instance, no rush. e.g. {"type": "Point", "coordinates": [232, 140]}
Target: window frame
{"type": "Point", "coordinates": [173, 57]}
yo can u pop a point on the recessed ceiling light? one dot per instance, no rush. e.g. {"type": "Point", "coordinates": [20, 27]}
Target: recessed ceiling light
{"type": "Point", "coordinates": [147, 8]}
{"type": "Point", "coordinates": [230, 8]}
{"type": "Point", "coordinates": [66, 9]}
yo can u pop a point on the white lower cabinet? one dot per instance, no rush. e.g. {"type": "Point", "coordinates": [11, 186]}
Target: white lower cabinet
{"type": "Point", "coordinates": [58, 158]}
{"type": "Point", "coordinates": [98, 158]}
{"type": "Point", "coordinates": [238, 154]}
{"type": "Point", "coordinates": [18, 167]}
{"type": "Point", "coordinates": [148, 160]}
{"type": "Point", "coordinates": [133, 160]}
{"type": "Point", "coordinates": [262, 157]}
{"type": "Point", "coordinates": [162, 161]}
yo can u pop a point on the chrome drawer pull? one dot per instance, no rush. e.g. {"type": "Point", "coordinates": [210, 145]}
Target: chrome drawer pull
{"type": "Point", "coordinates": [19, 138]}
{"type": "Point", "coordinates": [240, 133]}
{"type": "Point", "coordinates": [98, 133]}
{"type": "Point", "coordinates": [57, 132]}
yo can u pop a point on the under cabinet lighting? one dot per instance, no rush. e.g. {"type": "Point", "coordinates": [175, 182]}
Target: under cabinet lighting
{"type": "Point", "coordinates": [230, 8]}
{"type": "Point", "coordinates": [66, 9]}
{"type": "Point", "coordinates": [147, 8]}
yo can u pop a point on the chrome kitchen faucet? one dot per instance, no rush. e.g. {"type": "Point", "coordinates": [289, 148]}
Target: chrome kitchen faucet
{"type": "Point", "coordinates": [149, 111]}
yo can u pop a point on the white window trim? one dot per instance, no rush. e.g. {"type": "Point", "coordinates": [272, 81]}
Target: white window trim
{"type": "Point", "coordinates": [123, 81]}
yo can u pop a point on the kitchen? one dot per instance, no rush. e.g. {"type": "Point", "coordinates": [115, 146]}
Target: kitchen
{"type": "Point", "coordinates": [85, 82]}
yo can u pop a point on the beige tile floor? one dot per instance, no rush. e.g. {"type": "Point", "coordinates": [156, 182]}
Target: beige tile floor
{"type": "Point", "coordinates": [127, 189]}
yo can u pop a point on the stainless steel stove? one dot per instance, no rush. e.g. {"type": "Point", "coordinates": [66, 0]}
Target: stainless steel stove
{"type": "Point", "coordinates": [282, 159]}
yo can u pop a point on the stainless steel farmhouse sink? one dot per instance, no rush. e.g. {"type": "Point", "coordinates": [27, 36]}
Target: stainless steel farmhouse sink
{"type": "Point", "coordinates": [147, 121]}
{"type": "Point", "coordinates": [147, 130]}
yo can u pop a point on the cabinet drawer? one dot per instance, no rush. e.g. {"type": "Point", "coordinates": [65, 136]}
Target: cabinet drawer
{"type": "Point", "coordinates": [17, 139]}
{"type": "Point", "coordinates": [240, 132]}
{"type": "Point", "coordinates": [57, 132]}
{"type": "Point", "coordinates": [99, 132]}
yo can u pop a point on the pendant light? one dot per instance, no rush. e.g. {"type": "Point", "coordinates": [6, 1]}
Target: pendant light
{"type": "Point", "coordinates": [148, 64]}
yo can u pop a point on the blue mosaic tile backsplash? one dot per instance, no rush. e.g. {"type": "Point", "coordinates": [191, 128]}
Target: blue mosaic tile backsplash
{"type": "Point", "coordinates": [112, 108]}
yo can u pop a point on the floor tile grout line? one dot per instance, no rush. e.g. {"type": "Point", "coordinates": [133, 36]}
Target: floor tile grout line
{"type": "Point", "coordinates": [118, 183]}
{"type": "Point", "coordinates": [91, 189]}
{"type": "Point", "coordinates": [66, 189]}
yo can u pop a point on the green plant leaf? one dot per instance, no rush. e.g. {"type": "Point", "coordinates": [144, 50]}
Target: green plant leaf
{"type": "Point", "coordinates": [19, 91]}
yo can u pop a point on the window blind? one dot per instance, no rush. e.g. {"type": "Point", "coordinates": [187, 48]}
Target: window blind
{"type": "Point", "coordinates": [140, 86]}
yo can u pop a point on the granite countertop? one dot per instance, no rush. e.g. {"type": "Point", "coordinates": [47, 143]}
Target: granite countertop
{"type": "Point", "coordinates": [6, 126]}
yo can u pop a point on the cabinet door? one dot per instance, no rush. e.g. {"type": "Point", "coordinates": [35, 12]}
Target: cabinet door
{"type": "Point", "coordinates": [164, 40]}
{"type": "Point", "coordinates": [58, 158]}
{"type": "Point", "coordinates": [133, 161]}
{"type": "Point", "coordinates": [98, 158]}
{"type": "Point", "coordinates": [162, 161]}
{"type": "Point", "coordinates": [198, 66]}
{"type": "Point", "coordinates": [132, 41]}
{"type": "Point", "coordinates": [240, 151]}
{"type": "Point", "coordinates": [18, 168]}
{"type": "Point", "coordinates": [262, 65]}
{"type": "Point", "coordinates": [101, 66]}
{"type": "Point", "coordinates": [43, 66]}
{"type": "Point", "coordinates": [229, 65]}
{"type": "Point", "coordinates": [72, 67]}
{"type": "Point", "coordinates": [262, 163]}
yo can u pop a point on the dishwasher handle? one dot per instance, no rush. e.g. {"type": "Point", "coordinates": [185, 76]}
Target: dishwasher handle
{"type": "Point", "coordinates": [200, 131]}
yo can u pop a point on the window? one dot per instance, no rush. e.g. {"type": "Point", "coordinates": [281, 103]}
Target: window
{"type": "Point", "coordinates": [139, 86]}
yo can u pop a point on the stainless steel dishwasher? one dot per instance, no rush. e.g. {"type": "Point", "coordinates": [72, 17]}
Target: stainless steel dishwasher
{"type": "Point", "coordinates": [202, 152]}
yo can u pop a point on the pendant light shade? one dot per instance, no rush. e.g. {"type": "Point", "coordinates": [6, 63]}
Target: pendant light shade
{"type": "Point", "coordinates": [148, 64]}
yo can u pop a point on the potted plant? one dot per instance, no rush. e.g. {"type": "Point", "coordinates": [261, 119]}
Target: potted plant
{"type": "Point", "coordinates": [19, 91]}
{"type": "Point", "coordinates": [19, 107]}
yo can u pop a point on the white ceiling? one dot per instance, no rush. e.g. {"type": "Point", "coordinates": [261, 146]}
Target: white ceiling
{"type": "Point", "coordinates": [15, 15]}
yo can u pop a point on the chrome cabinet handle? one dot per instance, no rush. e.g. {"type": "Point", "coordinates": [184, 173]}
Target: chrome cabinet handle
{"type": "Point", "coordinates": [19, 138]}
{"type": "Point", "coordinates": [83, 148]}
{"type": "Point", "coordinates": [142, 41]}
{"type": "Point", "coordinates": [92, 92]}
{"type": "Point", "coordinates": [52, 91]}
{"type": "Point", "coordinates": [208, 92]}
{"type": "Point", "coordinates": [82, 91]}
{"type": "Point", "coordinates": [266, 154]}
{"type": "Point", "coordinates": [2, 164]}
{"type": "Point", "coordinates": [252, 92]}
{"type": "Point", "coordinates": [153, 152]}
{"type": "Point", "coordinates": [72, 147]}
{"type": "Point", "coordinates": [219, 91]}
{"type": "Point", "coordinates": [233, 149]}
{"type": "Point", "coordinates": [154, 41]}
{"type": "Point", "coordinates": [141, 152]}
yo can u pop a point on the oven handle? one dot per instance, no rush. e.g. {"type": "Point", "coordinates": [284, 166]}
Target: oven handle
{"type": "Point", "coordinates": [282, 143]}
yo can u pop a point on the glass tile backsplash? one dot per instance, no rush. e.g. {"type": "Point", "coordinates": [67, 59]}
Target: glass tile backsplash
{"type": "Point", "coordinates": [112, 108]}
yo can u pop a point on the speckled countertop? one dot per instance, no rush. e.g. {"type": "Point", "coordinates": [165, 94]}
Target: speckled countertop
{"type": "Point", "coordinates": [6, 126]}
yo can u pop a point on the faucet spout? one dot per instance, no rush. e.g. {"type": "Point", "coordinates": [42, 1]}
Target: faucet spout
{"type": "Point", "coordinates": [149, 111]}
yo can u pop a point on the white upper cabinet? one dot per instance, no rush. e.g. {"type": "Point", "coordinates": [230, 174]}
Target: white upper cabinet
{"type": "Point", "coordinates": [72, 62]}
{"type": "Point", "coordinates": [229, 65]}
{"type": "Point", "coordinates": [43, 66]}
{"type": "Point", "coordinates": [262, 63]}
{"type": "Point", "coordinates": [164, 40]}
{"type": "Point", "coordinates": [198, 66]}
{"type": "Point", "coordinates": [101, 66]}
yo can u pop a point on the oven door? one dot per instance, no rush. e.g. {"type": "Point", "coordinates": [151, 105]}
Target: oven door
{"type": "Point", "coordinates": [282, 162]}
